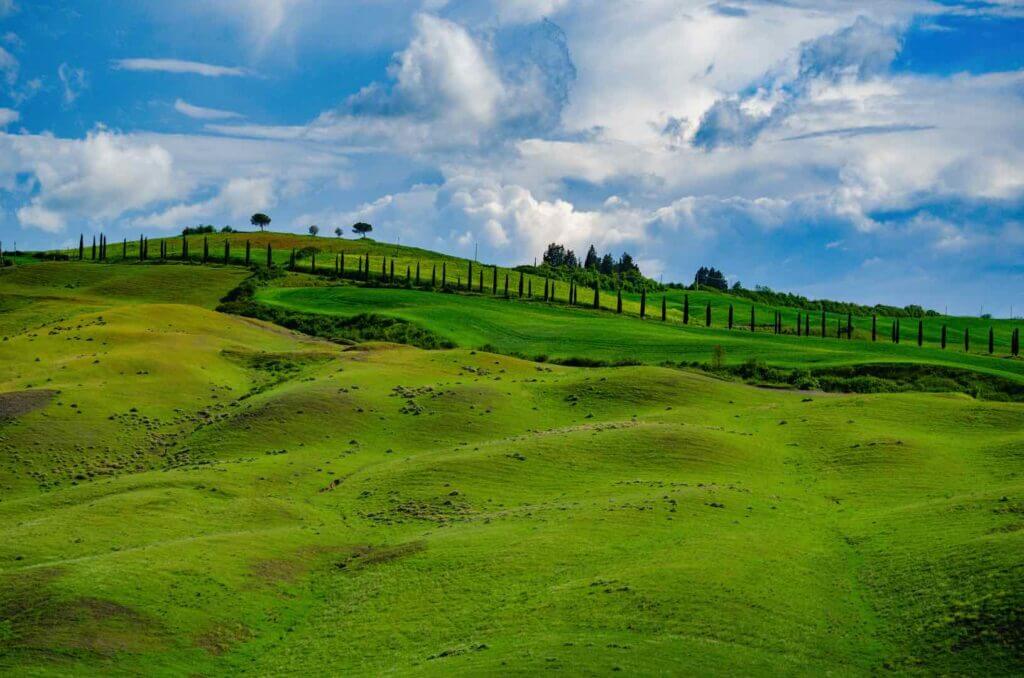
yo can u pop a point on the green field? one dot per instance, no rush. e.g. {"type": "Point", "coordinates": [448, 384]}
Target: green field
{"type": "Point", "coordinates": [186, 492]}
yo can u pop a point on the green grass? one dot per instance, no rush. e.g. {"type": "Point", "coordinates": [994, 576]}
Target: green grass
{"type": "Point", "coordinates": [538, 329]}
{"type": "Point", "coordinates": [204, 494]}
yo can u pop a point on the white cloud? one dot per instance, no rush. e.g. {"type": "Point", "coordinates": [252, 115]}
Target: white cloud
{"type": "Point", "coordinates": [236, 199]}
{"type": "Point", "coordinates": [7, 116]}
{"type": "Point", "coordinates": [73, 80]}
{"type": "Point", "coordinates": [100, 177]}
{"type": "Point", "coordinates": [179, 66]}
{"type": "Point", "coordinates": [9, 67]}
{"type": "Point", "coordinates": [201, 113]}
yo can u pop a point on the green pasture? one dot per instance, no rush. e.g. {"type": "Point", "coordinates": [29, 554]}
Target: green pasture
{"type": "Point", "coordinates": [184, 492]}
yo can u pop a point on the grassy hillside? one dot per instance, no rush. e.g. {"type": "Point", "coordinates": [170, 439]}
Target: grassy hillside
{"type": "Point", "coordinates": [407, 258]}
{"type": "Point", "coordinates": [536, 329]}
{"type": "Point", "coordinates": [184, 492]}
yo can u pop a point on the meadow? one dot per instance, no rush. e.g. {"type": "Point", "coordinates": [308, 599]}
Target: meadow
{"type": "Point", "coordinates": [184, 491]}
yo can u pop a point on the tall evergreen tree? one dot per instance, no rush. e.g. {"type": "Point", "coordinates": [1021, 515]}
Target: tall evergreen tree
{"type": "Point", "coordinates": [206, 250]}
{"type": "Point", "coordinates": [643, 303]}
{"type": "Point", "coordinates": [686, 309]}
{"type": "Point", "coordinates": [849, 326]}
{"type": "Point", "coordinates": [494, 283]}
{"type": "Point", "coordinates": [991, 341]}
{"type": "Point", "coordinates": [823, 314]}
{"type": "Point", "coordinates": [893, 332]}
{"type": "Point", "coordinates": [707, 315]}
{"type": "Point", "coordinates": [874, 328]}
{"type": "Point", "coordinates": [481, 276]}
{"type": "Point", "coordinates": [1015, 342]}
{"type": "Point", "coordinates": [943, 340]}
{"type": "Point", "coordinates": [444, 274]}
{"type": "Point", "coordinates": [664, 309]}
{"type": "Point", "coordinates": [753, 319]}
{"type": "Point", "coordinates": [799, 324]}
{"type": "Point", "coordinates": [920, 333]}
{"type": "Point", "coordinates": [391, 277]}
{"type": "Point", "coordinates": [506, 285]}
{"type": "Point", "coordinates": [597, 296]}
{"type": "Point", "coordinates": [248, 252]}
{"type": "Point", "coordinates": [93, 249]}
{"type": "Point", "coordinates": [227, 250]}
{"type": "Point", "coordinates": [807, 324]}
{"type": "Point", "coordinates": [408, 274]}
{"type": "Point", "coordinates": [554, 289]}
{"type": "Point", "coordinates": [124, 249]}
{"type": "Point", "coordinates": [618, 301]}
{"type": "Point", "coordinates": [433, 276]}
{"type": "Point", "coordinates": [899, 333]}
{"type": "Point", "coordinates": [967, 340]}
{"type": "Point", "coordinates": [545, 287]}
{"type": "Point", "coordinates": [417, 271]}
{"type": "Point", "coordinates": [291, 260]}
{"type": "Point", "coordinates": [529, 288]}
{"type": "Point", "coordinates": [521, 284]}
{"type": "Point", "coordinates": [142, 253]}
{"type": "Point", "coordinates": [469, 277]}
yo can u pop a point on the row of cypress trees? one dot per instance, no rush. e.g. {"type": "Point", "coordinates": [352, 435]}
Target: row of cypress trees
{"type": "Point", "coordinates": [98, 252]}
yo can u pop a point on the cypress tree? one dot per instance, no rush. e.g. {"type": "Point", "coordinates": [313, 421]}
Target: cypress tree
{"type": "Point", "coordinates": [823, 314]}
{"type": "Point", "coordinates": [807, 324]}
{"type": "Point", "coordinates": [366, 268]}
{"type": "Point", "coordinates": [494, 284]}
{"type": "Point", "coordinates": [184, 247]}
{"type": "Point", "coordinates": [433, 276]}
{"type": "Point", "coordinates": [799, 324]}
{"type": "Point", "coordinates": [506, 285]}
{"type": "Point", "coordinates": [597, 296]}
{"type": "Point", "coordinates": [1015, 342]}
{"type": "Point", "coordinates": [874, 328]}
{"type": "Point", "coordinates": [270, 257]}
{"type": "Point", "coordinates": [206, 249]}
{"type": "Point", "coordinates": [444, 274]}
{"type": "Point", "coordinates": [899, 333]}
{"type": "Point", "coordinates": [572, 289]}
{"type": "Point", "coordinates": [686, 309]}
{"type": "Point", "coordinates": [943, 341]}
{"type": "Point", "coordinates": [529, 288]}
{"type": "Point", "coordinates": [753, 319]}
{"type": "Point", "coordinates": [849, 326]}
{"type": "Point", "coordinates": [520, 284]}
{"type": "Point", "coordinates": [142, 253]}
{"type": "Point", "coordinates": [839, 328]}
{"type": "Point", "coordinates": [248, 252]}
{"type": "Point", "coordinates": [408, 274]}
{"type": "Point", "coordinates": [707, 315]}
{"type": "Point", "coordinates": [553, 289]}
{"type": "Point", "coordinates": [384, 268]}
{"type": "Point", "coordinates": [967, 340]}
{"type": "Point", "coordinates": [227, 250]}
{"type": "Point", "coordinates": [920, 333]}
{"type": "Point", "coordinates": [81, 246]}
{"type": "Point", "coordinates": [664, 309]}
{"type": "Point", "coordinates": [469, 277]}
{"type": "Point", "coordinates": [291, 260]}
{"type": "Point", "coordinates": [545, 288]}
{"type": "Point", "coordinates": [893, 332]}
{"type": "Point", "coordinates": [643, 303]}
{"type": "Point", "coordinates": [618, 301]}
{"type": "Point", "coordinates": [991, 341]}
{"type": "Point", "coordinates": [93, 249]}
{"type": "Point", "coordinates": [392, 268]}
{"type": "Point", "coordinates": [417, 271]}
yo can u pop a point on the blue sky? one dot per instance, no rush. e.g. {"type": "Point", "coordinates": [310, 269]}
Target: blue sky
{"type": "Point", "coordinates": [864, 151]}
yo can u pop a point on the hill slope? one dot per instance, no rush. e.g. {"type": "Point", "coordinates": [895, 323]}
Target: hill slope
{"type": "Point", "coordinates": [189, 492]}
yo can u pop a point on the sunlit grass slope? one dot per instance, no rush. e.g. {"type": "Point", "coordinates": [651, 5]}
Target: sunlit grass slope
{"type": "Point", "coordinates": [188, 493]}
{"type": "Point", "coordinates": [536, 329]}
{"type": "Point", "coordinates": [406, 260]}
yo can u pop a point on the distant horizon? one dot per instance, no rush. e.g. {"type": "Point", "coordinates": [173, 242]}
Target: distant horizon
{"type": "Point", "coordinates": [72, 246]}
{"type": "Point", "coordinates": [870, 153]}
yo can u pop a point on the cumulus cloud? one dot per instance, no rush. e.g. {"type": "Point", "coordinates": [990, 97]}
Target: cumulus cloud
{"type": "Point", "coordinates": [7, 116]}
{"type": "Point", "coordinates": [179, 66]}
{"type": "Point", "coordinates": [856, 53]}
{"type": "Point", "coordinates": [100, 177]}
{"type": "Point", "coordinates": [201, 113]}
{"type": "Point", "coordinates": [9, 67]}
